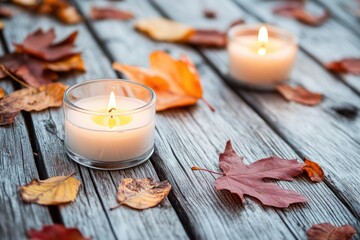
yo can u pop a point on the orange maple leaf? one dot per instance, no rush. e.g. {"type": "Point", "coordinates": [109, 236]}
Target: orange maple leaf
{"type": "Point", "coordinates": [175, 81]}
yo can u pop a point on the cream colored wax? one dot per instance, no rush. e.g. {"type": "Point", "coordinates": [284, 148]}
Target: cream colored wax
{"type": "Point", "coordinates": [247, 65]}
{"type": "Point", "coordinates": [100, 142]}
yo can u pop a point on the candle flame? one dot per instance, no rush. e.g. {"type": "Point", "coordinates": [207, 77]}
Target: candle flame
{"type": "Point", "coordinates": [112, 102]}
{"type": "Point", "coordinates": [263, 39]}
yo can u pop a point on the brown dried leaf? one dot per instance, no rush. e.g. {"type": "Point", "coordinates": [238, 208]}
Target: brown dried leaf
{"type": "Point", "coordinates": [142, 193]}
{"type": "Point", "coordinates": [207, 38]}
{"type": "Point", "coordinates": [346, 65]}
{"type": "Point", "coordinates": [72, 63]}
{"type": "Point", "coordinates": [56, 232]}
{"type": "Point", "coordinates": [208, 13]}
{"type": "Point", "coordinates": [296, 9]}
{"type": "Point", "coordinates": [68, 15]}
{"type": "Point", "coordinates": [5, 12]}
{"type": "Point", "coordinates": [2, 93]}
{"type": "Point", "coordinates": [161, 29]}
{"type": "Point", "coordinates": [100, 13]}
{"type": "Point", "coordinates": [30, 99]}
{"type": "Point", "coordinates": [313, 171]}
{"type": "Point", "coordinates": [327, 231]}
{"type": "Point", "coordinates": [52, 191]}
{"type": "Point", "coordinates": [299, 94]}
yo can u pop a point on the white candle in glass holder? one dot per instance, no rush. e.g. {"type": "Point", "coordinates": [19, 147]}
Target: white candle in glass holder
{"type": "Point", "coordinates": [260, 56]}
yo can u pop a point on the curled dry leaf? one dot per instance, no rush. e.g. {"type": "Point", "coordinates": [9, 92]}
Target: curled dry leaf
{"type": "Point", "coordinates": [61, 9]}
{"type": "Point", "coordinates": [297, 10]}
{"type": "Point", "coordinates": [55, 232]}
{"type": "Point", "coordinates": [313, 171]}
{"type": "Point", "coordinates": [175, 82]}
{"type": "Point", "coordinates": [99, 13]}
{"type": "Point", "coordinates": [39, 58]}
{"type": "Point", "coordinates": [161, 29]}
{"type": "Point", "coordinates": [299, 94]}
{"type": "Point", "coordinates": [142, 193]}
{"type": "Point", "coordinates": [2, 93]}
{"type": "Point", "coordinates": [30, 99]}
{"type": "Point", "coordinates": [244, 179]}
{"type": "Point", "coordinates": [346, 65]}
{"type": "Point", "coordinates": [5, 12]}
{"type": "Point", "coordinates": [165, 30]}
{"type": "Point", "coordinates": [52, 191]}
{"type": "Point", "coordinates": [327, 231]}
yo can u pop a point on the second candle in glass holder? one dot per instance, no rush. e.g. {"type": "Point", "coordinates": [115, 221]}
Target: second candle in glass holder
{"type": "Point", "coordinates": [260, 56]}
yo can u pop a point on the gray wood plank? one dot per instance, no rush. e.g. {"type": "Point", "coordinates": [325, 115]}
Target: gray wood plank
{"type": "Point", "coordinates": [340, 11]}
{"type": "Point", "coordinates": [17, 167]}
{"type": "Point", "coordinates": [195, 135]}
{"type": "Point", "coordinates": [90, 212]}
{"type": "Point", "coordinates": [317, 132]}
{"type": "Point", "coordinates": [332, 41]}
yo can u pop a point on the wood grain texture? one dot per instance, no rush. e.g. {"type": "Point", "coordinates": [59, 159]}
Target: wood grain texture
{"type": "Point", "coordinates": [317, 132]}
{"type": "Point", "coordinates": [17, 167]}
{"type": "Point", "coordinates": [195, 135]}
{"type": "Point", "coordinates": [332, 41]}
{"type": "Point", "coordinates": [90, 212]}
{"type": "Point", "coordinates": [320, 133]}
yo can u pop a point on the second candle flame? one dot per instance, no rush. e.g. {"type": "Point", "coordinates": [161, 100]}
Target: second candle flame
{"type": "Point", "coordinates": [263, 39]}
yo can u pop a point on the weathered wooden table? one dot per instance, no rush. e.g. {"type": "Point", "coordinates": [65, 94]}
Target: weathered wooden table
{"type": "Point", "coordinates": [259, 124]}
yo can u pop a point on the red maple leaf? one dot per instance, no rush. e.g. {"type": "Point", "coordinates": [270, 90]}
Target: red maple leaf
{"type": "Point", "coordinates": [244, 179]}
{"type": "Point", "coordinates": [55, 232]}
{"type": "Point", "coordinates": [327, 231]}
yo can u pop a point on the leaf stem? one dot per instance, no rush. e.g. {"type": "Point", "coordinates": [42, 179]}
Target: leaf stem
{"type": "Point", "coordinates": [3, 68]}
{"type": "Point", "coordinates": [117, 206]}
{"type": "Point", "coordinates": [195, 168]}
{"type": "Point", "coordinates": [212, 108]}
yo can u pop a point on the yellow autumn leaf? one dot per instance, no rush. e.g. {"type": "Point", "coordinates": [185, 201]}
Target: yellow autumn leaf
{"type": "Point", "coordinates": [142, 193]}
{"type": "Point", "coordinates": [2, 93]}
{"type": "Point", "coordinates": [52, 191]}
{"type": "Point", "coordinates": [162, 29]}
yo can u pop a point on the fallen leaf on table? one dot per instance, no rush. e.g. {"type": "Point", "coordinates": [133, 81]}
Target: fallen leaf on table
{"type": "Point", "coordinates": [208, 13]}
{"type": "Point", "coordinates": [39, 58]}
{"type": "Point", "coordinates": [175, 82]}
{"type": "Point", "coordinates": [142, 193]}
{"type": "Point", "coordinates": [99, 13]}
{"type": "Point", "coordinates": [313, 171]}
{"type": "Point", "coordinates": [244, 179]}
{"type": "Point", "coordinates": [61, 9]}
{"type": "Point", "coordinates": [52, 191]}
{"type": "Point", "coordinates": [30, 99]}
{"type": "Point", "coordinates": [2, 93]}
{"type": "Point", "coordinates": [346, 65]}
{"type": "Point", "coordinates": [327, 231]}
{"type": "Point", "coordinates": [5, 12]}
{"type": "Point", "coordinates": [299, 94]}
{"type": "Point", "coordinates": [55, 232]}
{"type": "Point", "coordinates": [162, 29]}
{"type": "Point", "coordinates": [297, 10]}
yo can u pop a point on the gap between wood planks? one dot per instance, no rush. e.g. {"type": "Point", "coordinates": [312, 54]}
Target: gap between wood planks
{"type": "Point", "coordinates": [307, 53]}
{"type": "Point", "coordinates": [253, 106]}
{"type": "Point", "coordinates": [39, 161]}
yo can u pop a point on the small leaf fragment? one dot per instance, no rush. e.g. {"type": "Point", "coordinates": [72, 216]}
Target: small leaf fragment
{"type": "Point", "coordinates": [55, 232]}
{"type": "Point", "coordinates": [5, 12]}
{"type": "Point", "coordinates": [142, 193]}
{"type": "Point", "coordinates": [207, 38]}
{"type": "Point", "coordinates": [313, 171]}
{"type": "Point", "coordinates": [327, 231]}
{"type": "Point", "coordinates": [101, 13]}
{"type": "Point", "coordinates": [2, 92]}
{"type": "Point", "coordinates": [299, 94]}
{"type": "Point", "coordinates": [346, 65]}
{"type": "Point", "coordinates": [30, 99]}
{"type": "Point", "coordinates": [52, 191]}
{"type": "Point", "coordinates": [161, 29]}
{"type": "Point", "coordinates": [208, 13]}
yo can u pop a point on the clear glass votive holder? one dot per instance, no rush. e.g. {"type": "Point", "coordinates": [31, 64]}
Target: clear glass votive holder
{"type": "Point", "coordinates": [260, 63]}
{"type": "Point", "coordinates": [109, 123]}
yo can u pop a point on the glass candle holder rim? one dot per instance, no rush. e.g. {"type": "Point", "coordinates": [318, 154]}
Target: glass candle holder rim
{"type": "Point", "coordinates": [125, 112]}
{"type": "Point", "coordinates": [271, 29]}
